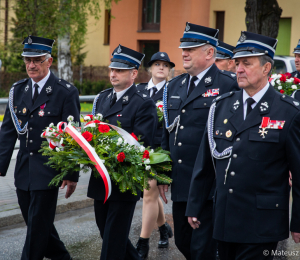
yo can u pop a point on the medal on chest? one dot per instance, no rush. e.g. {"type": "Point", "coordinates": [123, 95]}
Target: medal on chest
{"type": "Point", "coordinates": [42, 112]}
{"type": "Point", "coordinates": [266, 123]}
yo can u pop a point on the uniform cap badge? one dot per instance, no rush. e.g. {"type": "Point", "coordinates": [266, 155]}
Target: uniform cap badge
{"type": "Point", "coordinates": [242, 38]}
{"type": "Point", "coordinates": [228, 134]}
{"type": "Point", "coordinates": [207, 80]}
{"type": "Point", "coordinates": [29, 40]}
{"type": "Point", "coordinates": [162, 55]}
{"type": "Point", "coordinates": [187, 28]}
{"type": "Point", "coordinates": [119, 50]}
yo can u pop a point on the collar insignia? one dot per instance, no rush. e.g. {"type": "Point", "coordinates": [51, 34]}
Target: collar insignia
{"type": "Point", "coordinates": [208, 79]}
{"type": "Point", "coordinates": [68, 85]}
{"type": "Point", "coordinates": [144, 95]}
{"type": "Point", "coordinates": [236, 105]}
{"type": "Point", "coordinates": [125, 98]}
{"type": "Point", "coordinates": [49, 89]}
{"type": "Point", "coordinates": [108, 95]}
{"type": "Point", "coordinates": [263, 106]}
{"type": "Point", "coordinates": [26, 89]}
{"type": "Point", "coordinates": [183, 81]}
{"type": "Point", "coordinates": [233, 75]}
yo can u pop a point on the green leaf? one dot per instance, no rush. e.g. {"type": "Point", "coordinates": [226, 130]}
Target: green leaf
{"type": "Point", "coordinates": [156, 158]}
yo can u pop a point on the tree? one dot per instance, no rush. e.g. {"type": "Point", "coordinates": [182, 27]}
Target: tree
{"type": "Point", "coordinates": [62, 20]}
{"type": "Point", "coordinates": [262, 16]}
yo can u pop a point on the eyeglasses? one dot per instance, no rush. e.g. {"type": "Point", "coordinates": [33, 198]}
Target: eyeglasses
{"type": "Point", "coordinates": [35, 62]}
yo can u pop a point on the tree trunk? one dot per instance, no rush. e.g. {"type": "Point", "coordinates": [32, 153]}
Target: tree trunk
{"type": "Point", "coordinates": [64, 58]}
{"type": "Point", "coordinates": [262, 16]}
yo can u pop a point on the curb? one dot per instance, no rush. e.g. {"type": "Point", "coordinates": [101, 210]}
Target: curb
{"type": "Point", "coordinates": [14, 216]}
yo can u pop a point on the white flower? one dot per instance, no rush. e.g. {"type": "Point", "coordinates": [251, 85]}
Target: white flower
{"type": "Point", "coordinates": [57, 149]}
{"type": "Point", "coordinates": [87, 118]}
{"type": "Point", "coordinates": [103, 161]}
{"type": "Point", "coordinates": [140, 164]}
{"type": "Point", "coordinates": [148, 167]}
{"type": "Point", "coordinates": [106, 147]}
{"type": "Point", "coordinates": [120, 141]}
{"type": "Point", "coordinates": [51, 125]}
{"type": "Point", "coordinates": [99, 116]}
{"type": "Point", "coordinates": [290, 80]}
{"type": "Point", "coordinates": [278, 81]}
{"type": "Point", "coordinates": [70, 118]}
{"type": "Point", "coordinates": [279, 87]}
{"type": "Point", "coordinates": [274, 76]}
{"type": "Point", "coordinates": [151, 151]}
{"type": "Point", "coordinates": [142, 148]}
{"type": "Point", "coordinates": [61, 141]}
{"type": "Point", "coordinates": [294, 87]}
{"type": "Point", "coordinates": [90, 125]}
{"type": "Point", "coordinates": [147, 161]}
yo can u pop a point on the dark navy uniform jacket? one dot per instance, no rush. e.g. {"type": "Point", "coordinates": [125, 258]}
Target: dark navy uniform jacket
{"type": "Point", "coordinates": [296, 74]}
{"type": "Point", "coordinates": [253, 204]}
{"type": "Point", "coordinates": [157, 97]}
{"type": "Point", "coordinates": [193, 111]}
{"type": "Point", "coordinates": [61, 100]}
{"type": "Point", "coordinates": [136, 112]}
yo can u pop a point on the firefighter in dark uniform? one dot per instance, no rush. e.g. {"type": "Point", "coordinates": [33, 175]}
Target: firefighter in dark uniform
{"type": "Point", "coordinates": [187, 99]}
{"type": "Point", "coordinates": [34, 104]}
{"type": "Point", "coordinates": [137, 114]}
{"type": "Point", "coordinates": [252, 141]}
{"type": "Point", "coordinates": [224, 60]}
{"type": "Point", "coordinates": [296, 74]}
{"type": "Point", "coordinates": [153, 209]}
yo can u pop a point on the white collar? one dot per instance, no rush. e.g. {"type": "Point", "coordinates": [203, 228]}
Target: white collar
{"type": "Point", "coordinates": [257, 97]}
{"type": "Point", "coordinates": [42, 82]}
{"type": "Point", "coordinates": [121, 93]}
{"type": "Point", "coordinates": [158, 85]}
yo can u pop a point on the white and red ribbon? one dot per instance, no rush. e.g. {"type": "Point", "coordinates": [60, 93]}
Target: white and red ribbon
{"type": "Point", "coordinates": [90, 151]}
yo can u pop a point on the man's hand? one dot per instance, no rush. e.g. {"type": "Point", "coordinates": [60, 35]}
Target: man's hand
{"type": "Point", "coordinates": [70, 189]}
{"type": "Point", "coordinates": [296, 237]}
{"type": "Point", "coordinates": [194, 222]}
{"type": "Point", "coordinates": [162, 189]}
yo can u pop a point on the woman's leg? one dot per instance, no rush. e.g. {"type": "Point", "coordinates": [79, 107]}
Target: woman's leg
{"type": "Point", "coordinates": [161, 214]}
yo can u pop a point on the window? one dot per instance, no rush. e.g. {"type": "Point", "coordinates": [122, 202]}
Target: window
{"type": "Point", "coordinates": [220, 17]}
{"type": "Point", "coordinates": [148, 48]}
{"type": "Point", "coordinates": [279, 66]}
{"type": "Point", "coordinates": [107, 27]}
{"type": "Point", "coordinates": [151, 15]}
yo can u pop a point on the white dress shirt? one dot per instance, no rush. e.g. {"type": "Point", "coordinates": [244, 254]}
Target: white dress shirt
{"type": "Point", "coordinates": [257, 97]}
{"type": "Point", "coordinates": [199, 76]}
{"type": "Point", "coordinates": [120, 93]}
{"type": "Point", "coordinates": [158, 86]}
{"type": "Point", "coordinates": [41, 83]}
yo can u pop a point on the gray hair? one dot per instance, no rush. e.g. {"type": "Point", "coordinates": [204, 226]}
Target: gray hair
{"type": "Point", "coordinates": [48, 56]}
{"type": "Point", "coordinates": [206, 46]}
{"type": "Point", "coordinates": [264, 59]}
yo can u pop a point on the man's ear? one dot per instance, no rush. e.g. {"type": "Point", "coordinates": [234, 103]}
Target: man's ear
{"type": "Point", "coordinates": [50, 60]}
{"type": "Point", "coordinates": [134, 73]}
{"type": "Point", "coordinates": [267, 68]}
{"type": "Point", "coordinates": [209, 53]}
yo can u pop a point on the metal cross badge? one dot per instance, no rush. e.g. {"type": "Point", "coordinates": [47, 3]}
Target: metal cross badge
{"type": "Point", "coordinates": [49, 89]}
{"type": "Point", "coordinates": [263, 132]}
{"type": "Point", "coordinates": [207, 80]}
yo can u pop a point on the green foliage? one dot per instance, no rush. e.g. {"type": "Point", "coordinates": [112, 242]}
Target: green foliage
{"type": "Point", "coordinates": [89, 87]}
{"type": "Point", "coordinates": [130, 173]}
{"type": "Point", "coordinates": [50, 19]}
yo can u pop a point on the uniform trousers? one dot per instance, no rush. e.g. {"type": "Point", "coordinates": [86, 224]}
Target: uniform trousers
{"type": "Point", "coordinates": [194, 244]}
{"type": "Point", "coordinates": [114, 219]}
{"type": "Point", "coordinates": [42, 240]}
{"type": "Point", "coordinates": [238, 251]}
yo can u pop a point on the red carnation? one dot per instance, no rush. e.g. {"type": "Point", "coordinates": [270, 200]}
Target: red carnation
{"type": "Point", "coordinates": [288, 75]}
{"type": "Point", "coordinates": [121, 157]}
{"type": "Point", "coordinates": [97, 121]}
{"type": "Point", "coordinates": [283, 78]}
{"type": "Point", "coordinates": [91, 116]}
{"type": "Point", "coordinates": [103, 128]}
{"type": "Point", "coordinates": [146, 155]}
{"type": "Point", "coordinates": [134, 136]}
{"type": "Point", "coordinates": [160, 106]}
{"type": "Point", "coordinates": [281, 91]}
{"type": "Point", "coordinates": [88, 136]}
{"type": "Point", "coordinates": [296, 81]}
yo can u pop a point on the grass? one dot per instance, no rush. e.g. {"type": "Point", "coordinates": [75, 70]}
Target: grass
{"type": "Point", "coordinates": [85, 107]}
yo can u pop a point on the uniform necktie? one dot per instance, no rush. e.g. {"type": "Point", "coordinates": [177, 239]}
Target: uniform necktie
{"type": "Point", "coordinates": [154, 89]}
{"type": "Point", "coordinates": [192, 85]}
{"type": "Point", "coordinates": [250, 101]}
{"type": "Point", "coordinates": [113, 99]}
{"type": "Point", "coordinates": [36, 93]}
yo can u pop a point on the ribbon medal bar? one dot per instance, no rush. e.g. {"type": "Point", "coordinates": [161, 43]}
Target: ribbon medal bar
{"type": "Point", "coordinates": [211, 93]}
{"type": "Point", "coordinates": [269, 124]}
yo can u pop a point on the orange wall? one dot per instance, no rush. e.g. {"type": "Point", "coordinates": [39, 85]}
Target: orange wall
{"type": "Point", "coordinates": [174, 15]}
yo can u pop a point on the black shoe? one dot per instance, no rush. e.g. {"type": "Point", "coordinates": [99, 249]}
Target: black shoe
{"type": "Point", "coordinates": [165, 233]}
{"type": "Point", "coordinates": [142, 247]}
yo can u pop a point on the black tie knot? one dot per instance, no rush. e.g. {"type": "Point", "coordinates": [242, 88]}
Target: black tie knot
{"type": "Point", "coordinates": [192, 85]}
{"type": "Point", "coordinates": [36, 93]}
{"type": "Point", "coordinates": [113, 99]}
{"type": "Point", "coordinates": [249, 101]}
{"type": "Point", "coordinates": [154, 89]}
